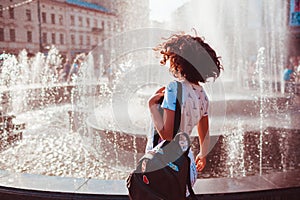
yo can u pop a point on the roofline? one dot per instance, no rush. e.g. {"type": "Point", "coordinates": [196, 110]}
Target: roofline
{"type": "Point", "coordinates": [95, 10]}
{"type": "Point", "coordinates": [77, 6]}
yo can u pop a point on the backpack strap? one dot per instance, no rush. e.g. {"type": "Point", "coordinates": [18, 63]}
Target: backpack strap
{"type": "Point", "coordinates": [177, 117]}
{"type": "Point", "coordinates": [176, 129]}
{"type": "Point", "coordinates": [188, 182]}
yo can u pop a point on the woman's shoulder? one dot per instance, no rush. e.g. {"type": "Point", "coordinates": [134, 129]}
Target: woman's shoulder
{"type": "Point", "coordinates": [172, 85]}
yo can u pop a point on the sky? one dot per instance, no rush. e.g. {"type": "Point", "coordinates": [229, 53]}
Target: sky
{"type": "Point", "coordinates": [160, 10]}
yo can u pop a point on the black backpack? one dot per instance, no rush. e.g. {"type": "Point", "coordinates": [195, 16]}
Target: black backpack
{"type": "Point", "coordinates": [164, 173]}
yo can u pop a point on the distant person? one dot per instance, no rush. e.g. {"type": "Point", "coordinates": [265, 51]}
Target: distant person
{"type": "Point", "coordinates": [65, 71]}
{"type": "Point", "coordinates": [74, 70]}
{"type": "Point", "coordinates": [298, 70]}
{"type": "Point", "coordinates": [288, 75]}
{"type": "Point", "coordinates": [110, 75]}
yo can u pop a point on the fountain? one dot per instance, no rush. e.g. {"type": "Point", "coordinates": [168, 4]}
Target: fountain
{"type": "Point", "coordinates": [120, 132]}
{"type": "Point", "coordinates": [82, 138]}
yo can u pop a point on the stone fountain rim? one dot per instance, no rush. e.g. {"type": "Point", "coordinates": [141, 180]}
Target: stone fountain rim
{"type": "Point", "coordinates": [33, 185]}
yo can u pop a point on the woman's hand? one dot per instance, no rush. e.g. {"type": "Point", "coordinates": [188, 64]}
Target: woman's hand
{"type": "Point", "coordinates": [200, 162]}
{"type": "Point", "coordinates": [154, 99]}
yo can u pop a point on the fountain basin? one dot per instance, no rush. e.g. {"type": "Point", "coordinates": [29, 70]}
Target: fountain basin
{"type": "Point", "coordinates": [117, 144]}
{"type": "Point", "coordinates": [279, 151]}
{"type": "Point", "coordinates": [282, 185]}
{"type": "Point", "coordinates": [122, 149]}
{"type": "Point", "coordinates": [122, 156]}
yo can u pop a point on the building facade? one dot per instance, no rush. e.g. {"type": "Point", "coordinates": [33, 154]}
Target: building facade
{"type": "Point", "coordinates": [73, 26]}
{"type": "Point", "coordinates": [294, 27]}
{"type": "Point", "coordinates": [131, 14]}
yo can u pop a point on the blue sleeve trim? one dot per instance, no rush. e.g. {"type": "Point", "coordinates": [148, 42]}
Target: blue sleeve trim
{"type": "Point", "coordinates": [170, 96]}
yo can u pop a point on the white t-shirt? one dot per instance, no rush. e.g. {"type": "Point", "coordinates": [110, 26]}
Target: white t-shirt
{"type": "Point", "coordinates": [194, 103]}
{"type": "Point", "coordinates": [194, 106]}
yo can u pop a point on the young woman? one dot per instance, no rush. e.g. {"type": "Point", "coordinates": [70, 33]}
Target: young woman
{"type": "Point", "coordinates": [192, 61]}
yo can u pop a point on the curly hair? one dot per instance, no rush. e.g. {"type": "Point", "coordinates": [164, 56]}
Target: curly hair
{"type": "Point", "coordinates": [190, 57]}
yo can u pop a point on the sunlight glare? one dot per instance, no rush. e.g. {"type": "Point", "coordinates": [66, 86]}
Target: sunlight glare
{"type": "Point", "coordinates": [161, 10]}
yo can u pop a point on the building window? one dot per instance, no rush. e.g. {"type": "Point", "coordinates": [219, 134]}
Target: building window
{"type": "Point", "coordinates": [61, 38]}
{"type": "Point", "coordinates": [61, 19]}
{"type": "Point", "coordinates": [72, 20]}
{"type": "Point", "coordinates": [1, 11]}
{"type": "Point", "coordinates": [44, 17]}
{"type": "Point", "coordinates": [11, 13]}
{"type": "Point", "coordinates": [1, 34]}
{"type": "Point", "coordinates": [28, 15]}
{"type": "Point", "coordinates": [12, 35]}
{"type": "Point", "coordinates": [81, 40]}
{"type": "Point", "coordinates": [95, 23]}
{"type": "Point", "coordinates": [45, 39]}
{"type": "Point", "coordinates": [53, 38]}
{"type": "Point", "coordinates": [88, 40]}
{"type": "Point", "coordinates": [102, 24]}
{"type": "Point", "coordinates": [29, 36]}
{"type": "Point", "coordinates": [53, 18]}
{"type": "Point", "coordinates": [80, 21]}
{"type": "Point", "coordinates": [108, 26]}
{"type": "Point", "coordinates": [73, 39]}
{"type": "Point", "coordinates": [88, 22]}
